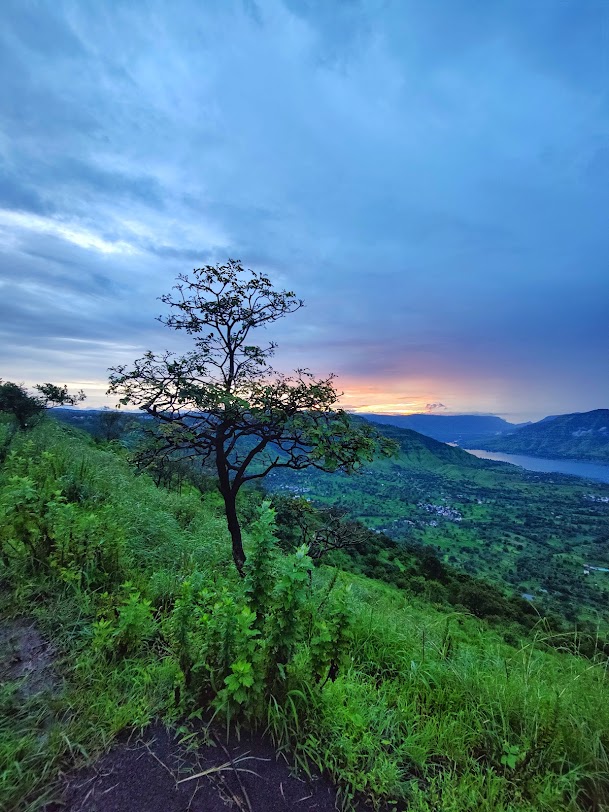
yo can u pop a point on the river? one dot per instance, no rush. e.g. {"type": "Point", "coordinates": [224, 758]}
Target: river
{"type": "Point", "coordinates": [588, 470]}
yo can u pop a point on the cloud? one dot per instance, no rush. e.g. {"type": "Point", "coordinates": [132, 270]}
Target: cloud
{"type": "Point", "coordinates": [18, 222]}
{"type": "Point", "coordinates": [434, 185]}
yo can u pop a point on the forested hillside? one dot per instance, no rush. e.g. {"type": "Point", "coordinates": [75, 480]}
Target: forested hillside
{"type": "Point", "coordinates": [583, 436]}
{"type": "Point", "coordinates": [400, 701]}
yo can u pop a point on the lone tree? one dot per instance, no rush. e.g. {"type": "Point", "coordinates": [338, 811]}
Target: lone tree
{"type": "Point", "coordinates": [16, 400]}
{"type": "Point", "coordinates": [223, 402]}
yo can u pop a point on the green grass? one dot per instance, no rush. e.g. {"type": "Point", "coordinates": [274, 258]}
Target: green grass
{"type": "Point", "coordinates": [431, 709]}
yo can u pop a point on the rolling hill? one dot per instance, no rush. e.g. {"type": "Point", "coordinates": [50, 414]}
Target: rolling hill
{"type": "Point", "coordinates": [128, 644]}
{"type": "Point", "coordinates": [532, 533]}
{"type": "Point", "coordinates": [583, 436]}
{"type": "Point", "coordinates": [420, 450]}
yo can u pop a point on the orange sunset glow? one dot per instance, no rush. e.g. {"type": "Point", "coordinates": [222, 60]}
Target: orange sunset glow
{"type": "Point", "coordinates": [418, 395]}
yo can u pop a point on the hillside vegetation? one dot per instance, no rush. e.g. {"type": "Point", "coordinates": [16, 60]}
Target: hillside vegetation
{"type": "Point", "coordinates": [401, 702]}
{"type": "Point", "coordinates": [533, 533]}
{"type": "Point", "coordinates": [582, 436]}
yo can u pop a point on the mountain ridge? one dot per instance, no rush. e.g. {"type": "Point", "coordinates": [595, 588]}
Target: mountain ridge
{"type": "Point", "coordinates": [579, 435]}
{"type": "Point", "coordinates": [458, 428]}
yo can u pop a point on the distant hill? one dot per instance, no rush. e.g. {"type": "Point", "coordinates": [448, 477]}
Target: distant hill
{"type": "Point", "coordinates": [460, 428]}
{"type": "Point", "coordinates": [421, 451]}
{"type": "Point", "coordinates": [583, 435]}
{"type": "Point", "coordinates": [416, 449]}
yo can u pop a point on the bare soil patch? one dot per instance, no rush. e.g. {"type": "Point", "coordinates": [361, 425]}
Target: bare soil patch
{"type": "Point", "coordinates": [25, 656]}
{"type": "Point", "coordinates": [157, 773]}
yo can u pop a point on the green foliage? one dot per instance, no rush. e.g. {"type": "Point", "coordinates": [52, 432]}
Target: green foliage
{"type": "Point", "coordinates": [285, 626]}
{"type": "Point", "coordinates": [7, 429]}
{"type": "Point", "coordinates": [124, 630]}
{"type": "Point", "coordinates": [53, 395]}
{"type": "Point", "coordinates": [15, 400]}
{"type": "Point", "coordinates": [264, 639]}
{"type": "Point", "coordinates": [260, 570]}
{"type": "Point", "coordinates": [402, 702]}
{"type": "Point", "coordinates": [48, 525]}
{"type": "Point", "coordinates": [135, 623]}
{"type": "Point", "coordinates": [238, 684]}
{"type": "Point", "coordinates": [512, 755]}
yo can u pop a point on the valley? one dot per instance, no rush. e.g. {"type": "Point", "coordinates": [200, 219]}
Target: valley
{"type": "Point", "coordinates": [537, 534]}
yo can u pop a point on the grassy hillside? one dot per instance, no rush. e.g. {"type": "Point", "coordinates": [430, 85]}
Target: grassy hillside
{"type": "Point", "coordinates": [400, 702]}
{"type": "Point", "coordinates": [531, 532]}
{"type": "Point", "coordinates": [419, 450]}
{"type": "Point", "coordinates": [582, 436]}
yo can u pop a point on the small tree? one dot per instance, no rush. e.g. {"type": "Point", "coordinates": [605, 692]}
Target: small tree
{"type": "Point", "coordinates": [16, 400]}
{"type": "Point", "coordinates": [224, 402]}
{"type": "Point", "coordinates": [52, 395]}
{"type": "Point", "coordinates": [111, 424]}
{"type": "Point", "coordinates": [322, 530]}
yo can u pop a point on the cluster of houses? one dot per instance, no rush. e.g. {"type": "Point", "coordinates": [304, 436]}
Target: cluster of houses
{"type": "Point", "coordinates": [441, 510]}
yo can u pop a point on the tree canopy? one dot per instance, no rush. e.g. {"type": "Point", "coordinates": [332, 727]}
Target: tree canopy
{"type": "Point", "coordinates": [25, 407]}
{"type": "Point", "coordinates": [223, 401]}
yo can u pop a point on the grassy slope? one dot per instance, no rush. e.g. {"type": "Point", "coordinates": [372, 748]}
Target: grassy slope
{"type": "Point", "coordinates": [530, 531]}
{"type": "Point", "coordinates": [571, 436]}
{"type": "Point", "coordinates": [430, 708]}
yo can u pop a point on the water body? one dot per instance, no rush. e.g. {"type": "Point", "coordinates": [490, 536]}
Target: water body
{"type": "Point", "coordinates": [588, 470]}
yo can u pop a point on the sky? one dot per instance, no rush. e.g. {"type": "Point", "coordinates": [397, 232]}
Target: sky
{"type": "Point", "coordinates": [430, 176]}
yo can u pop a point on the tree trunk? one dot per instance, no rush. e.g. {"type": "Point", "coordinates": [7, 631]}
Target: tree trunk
{"type": "Point", "coordinates": [234, 529]}
{"type": "Point", "coordinates": [229, 495]}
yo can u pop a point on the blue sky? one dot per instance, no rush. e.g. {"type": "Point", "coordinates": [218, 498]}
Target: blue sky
{"type": "Point", "coordinates": [432, 177]}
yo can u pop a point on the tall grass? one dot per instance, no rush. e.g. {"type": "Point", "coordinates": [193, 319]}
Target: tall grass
{"type": "Point", "coordinates": [429, 709]}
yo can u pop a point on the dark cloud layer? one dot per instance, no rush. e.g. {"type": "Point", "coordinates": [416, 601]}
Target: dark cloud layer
{"type": "Point", "coordinates": [433, 178]}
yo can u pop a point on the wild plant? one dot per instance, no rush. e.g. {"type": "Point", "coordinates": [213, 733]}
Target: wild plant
{"type": "Point", "coordinates": [260, 571]}
{"type": "Point", "coordinates": [7, 432]}
{"type": "Point", "coordinates": [278, 626]}
{"type": "Point", "coordinates": [45, 531]}
{"type": "Point", "coordinates": [330, 638]}
{"type": "Point", "coordinates": [126, 628]}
